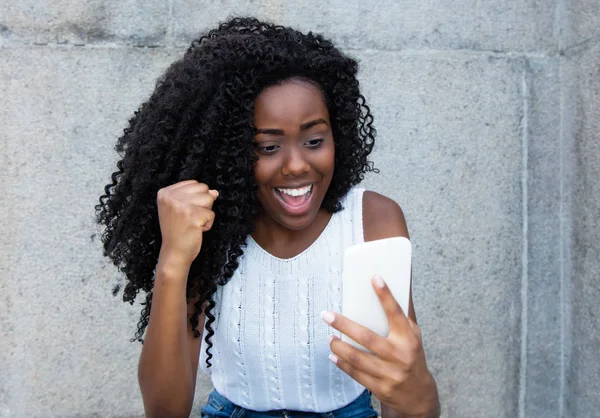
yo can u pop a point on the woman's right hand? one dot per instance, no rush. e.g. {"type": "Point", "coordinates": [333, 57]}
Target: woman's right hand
{"type": "Point", "coordinates": [185, 213]}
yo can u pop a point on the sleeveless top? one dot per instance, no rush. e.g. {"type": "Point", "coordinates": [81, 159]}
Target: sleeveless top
{"type": "Point", "coordinates": [271, 347]}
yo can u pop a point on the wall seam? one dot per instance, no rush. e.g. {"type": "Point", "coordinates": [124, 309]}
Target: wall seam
{"type": "Point", "coordinates": [567, 175]}
{"type": "Point", "coordinates": [171, 42]}
{"type": "Point", "coordinates": [525, 251]}
{"type": "Point", "coordinates": [561, 24]}
{"type": "Point", "coordinates": [579, 47]}
{"type": "Point", "coordinates": [561, 395]}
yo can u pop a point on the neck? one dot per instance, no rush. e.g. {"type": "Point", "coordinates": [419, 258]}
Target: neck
{"type": "Point", "coordinates": [286, 243]}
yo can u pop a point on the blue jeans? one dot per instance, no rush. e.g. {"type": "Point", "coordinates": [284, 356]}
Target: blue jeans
{"type": "Point", "coordinates": [220, 407]}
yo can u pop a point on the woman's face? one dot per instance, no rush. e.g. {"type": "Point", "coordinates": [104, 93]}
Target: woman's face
{"type": "Point", "coordinates": [295, 150]}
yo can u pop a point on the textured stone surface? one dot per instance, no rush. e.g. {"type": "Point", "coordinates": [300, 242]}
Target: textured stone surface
{"type": "Point", "coordinates": [583, 335]}
{"type": "Point", "coordinates": [81, 22]}
{"type": "Point", "coordinates": [449, 149]}
{"type": "Point", "coordinates": [390, 24]}
{"type": "Point", "coordinates": [64, 122]}
{"type": "Point", "coordinates": [582, 21]}
{"type": "Point", "coordinates": [502, 209]}
{"type": "Point", "coordinates": [543, 263]}
{"type": "Point", "coordinates": [67, 338]}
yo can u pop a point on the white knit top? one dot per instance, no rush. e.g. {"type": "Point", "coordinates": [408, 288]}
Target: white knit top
{"type": "Point", "coordinates": [270, 345]}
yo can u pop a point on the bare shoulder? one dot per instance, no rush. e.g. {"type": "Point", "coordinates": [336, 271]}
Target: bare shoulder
{"type": "Point", "coordinates": [382, 217]}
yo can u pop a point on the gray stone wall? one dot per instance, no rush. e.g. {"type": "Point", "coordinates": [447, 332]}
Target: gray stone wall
{"type": "Point", "coordinates": [581, 155]}
{"type": "Point", "coordinates": [488, 118]}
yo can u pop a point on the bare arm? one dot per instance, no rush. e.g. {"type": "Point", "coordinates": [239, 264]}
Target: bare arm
{"type": "Point", "coordinates": [397, 374]}
{"type": "Point", "coordinates": [389, 412]}
{"type": "Point", "coordinates": [169, 360]}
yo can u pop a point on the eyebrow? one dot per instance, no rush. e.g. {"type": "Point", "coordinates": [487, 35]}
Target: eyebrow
{"type": "Point", "coordinates": [303, 127]}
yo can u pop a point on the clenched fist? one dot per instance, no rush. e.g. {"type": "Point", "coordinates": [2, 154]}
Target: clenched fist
{"type": "Point", "coordinates": [185, 213]}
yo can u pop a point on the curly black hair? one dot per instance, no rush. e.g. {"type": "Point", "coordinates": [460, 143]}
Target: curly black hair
{"type": "Point", "coordinates": [198, 124]}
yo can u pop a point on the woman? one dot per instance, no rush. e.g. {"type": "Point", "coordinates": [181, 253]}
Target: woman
{"type": "Point", "coordinates": [232, 204]}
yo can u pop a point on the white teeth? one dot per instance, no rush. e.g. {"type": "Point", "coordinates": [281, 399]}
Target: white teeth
{"type": "Point", "coordinates": [296, 192]}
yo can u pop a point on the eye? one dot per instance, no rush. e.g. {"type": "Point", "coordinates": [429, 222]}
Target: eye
{"type": "Point", "coordinates": [267, 149]}
{"type": "Point", "coordinates": [314, 143]}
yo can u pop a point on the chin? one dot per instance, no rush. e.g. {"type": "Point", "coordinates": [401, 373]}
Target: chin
{"type": "Point", "coordinates": [299, 224]}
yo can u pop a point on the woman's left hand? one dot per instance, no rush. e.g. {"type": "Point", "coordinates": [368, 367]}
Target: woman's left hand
{"type": "Point", "coordinates": [395, 371]}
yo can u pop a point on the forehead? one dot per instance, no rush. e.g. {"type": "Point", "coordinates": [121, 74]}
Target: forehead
{"type": "Point", "coordinates": [290, 103]}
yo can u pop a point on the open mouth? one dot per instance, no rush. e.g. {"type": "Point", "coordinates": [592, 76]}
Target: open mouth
{"type": "Point", "coordinates": [295, 199]}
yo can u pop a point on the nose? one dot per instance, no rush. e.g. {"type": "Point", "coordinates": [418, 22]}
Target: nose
{"type": "Point", "coordinates": [295, 163]}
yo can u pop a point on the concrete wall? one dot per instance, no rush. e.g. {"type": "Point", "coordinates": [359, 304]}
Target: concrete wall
{"type": "Point", "coordinates": [487, 115]}
{"type": "Point", "coordinates": [581, 130]}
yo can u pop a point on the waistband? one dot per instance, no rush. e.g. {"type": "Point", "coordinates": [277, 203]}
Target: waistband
{"type": "Point", "coordinates": [218, 406]}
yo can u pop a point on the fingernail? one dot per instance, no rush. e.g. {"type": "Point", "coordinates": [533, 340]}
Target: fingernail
{"type": "Point", "coordinates": [330, 338]}
{"type": "Point", "coordinates": [327, 317]}
{"type": "Point", "coordinates": [333, 358]}
{"type": "Point", "coordinates": [379, 282]}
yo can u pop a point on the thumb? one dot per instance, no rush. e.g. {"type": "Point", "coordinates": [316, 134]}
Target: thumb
{"type": "Point", "coordinates": [214, 193]}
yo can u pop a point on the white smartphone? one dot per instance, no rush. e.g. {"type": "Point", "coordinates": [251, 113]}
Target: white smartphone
{"type": "Point", "coordinates": [389, 258]}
